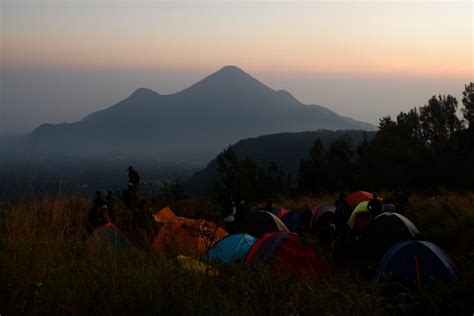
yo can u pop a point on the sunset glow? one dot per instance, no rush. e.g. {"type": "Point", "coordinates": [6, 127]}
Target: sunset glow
{"type": "Point", "coordinates": [415, 38]}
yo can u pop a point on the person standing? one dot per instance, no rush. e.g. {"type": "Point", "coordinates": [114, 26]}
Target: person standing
{"type": "Point", "coordinates": [97, 217]}
{"type": "Point", "coordinates": [110, 202]}
{"type": "Point", "coordinates": [240, 214]}
{"type": "Point", "coordinates": [269, 206]}
{"type": "Point", "coordinates": [229, 216]}
{"type": "Point", "coordinates": [375, 205]}
{"type": "Point", "coordinates": [342, 215]}
{"type": "Point", "coordinates": [133, 177]}
{"type": "Point", "coordinates": [98, 200]}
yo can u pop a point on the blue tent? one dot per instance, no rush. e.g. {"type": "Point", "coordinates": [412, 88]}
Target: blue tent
{"type": "Point", "coordinates": [417, 262]}
{"type": "Point", "coordinates": [292, 220]}
{"type": "Point", "coordinates": [232, 248]}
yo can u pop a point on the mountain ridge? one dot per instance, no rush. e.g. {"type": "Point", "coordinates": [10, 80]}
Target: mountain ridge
{"type": "Point", "coordinates": [222, 108]}
{"type": "Point", "coordinates": [284, 149]}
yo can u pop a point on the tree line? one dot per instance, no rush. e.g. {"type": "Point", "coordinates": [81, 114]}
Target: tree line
{"type": "Point", "coordinates": [426, 148]}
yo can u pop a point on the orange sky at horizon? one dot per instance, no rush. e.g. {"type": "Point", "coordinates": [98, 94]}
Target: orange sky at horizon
{"type": "Point", "coordinates": [418, 39]}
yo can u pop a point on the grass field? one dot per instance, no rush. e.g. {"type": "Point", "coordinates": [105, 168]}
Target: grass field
{"type": "Point", "coordinates": [48, 268]}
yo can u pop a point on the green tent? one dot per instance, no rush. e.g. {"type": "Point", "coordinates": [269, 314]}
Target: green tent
{"type": "Point", "coordinates": [109, 237]}
{"type": "Point", "coordinates": [362, 212]}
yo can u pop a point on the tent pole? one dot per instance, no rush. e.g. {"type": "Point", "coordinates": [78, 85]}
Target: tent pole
{"type": "Point", "coordinates": [417, 267]}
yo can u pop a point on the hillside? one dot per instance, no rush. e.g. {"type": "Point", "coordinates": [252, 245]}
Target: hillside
{"type": "Point", "coordinates": [285, 149]}
{"type": "Point", "coordinates": [193, 124]}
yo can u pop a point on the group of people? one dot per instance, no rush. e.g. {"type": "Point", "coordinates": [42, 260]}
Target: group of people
{"type": "Point", "coordinates": [102, 211]}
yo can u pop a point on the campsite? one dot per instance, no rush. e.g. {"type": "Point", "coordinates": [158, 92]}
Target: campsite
{"type": "Point", "coordinates": [422, 266]}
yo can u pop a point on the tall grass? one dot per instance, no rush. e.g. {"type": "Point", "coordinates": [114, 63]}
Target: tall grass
{"type": "Point", "coordinates": [49, 268]}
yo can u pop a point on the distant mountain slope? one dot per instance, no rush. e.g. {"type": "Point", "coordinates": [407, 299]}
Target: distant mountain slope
{"type": "Point", "coordinates": [192, 124]}
{"type": "Point", "coordinates": [285, 149]}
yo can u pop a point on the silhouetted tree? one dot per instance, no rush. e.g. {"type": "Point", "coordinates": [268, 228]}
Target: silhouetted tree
{"type": "Point", "coordinates": [313, 171]}
{"type": "Point", "coordinates": [468, 102]}
{"type": "Point", "coordinates": [243, 180]}
{"type": "Point", "coordinates": [439, 121]}
{"type": "Point", "coordinates": [340, 164]}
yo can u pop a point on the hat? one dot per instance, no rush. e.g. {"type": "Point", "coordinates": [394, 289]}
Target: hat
{"type": "Point", "coordinates": [129, 168]}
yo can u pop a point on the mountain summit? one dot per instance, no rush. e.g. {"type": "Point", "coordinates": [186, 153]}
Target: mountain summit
{"type": "Point", "coordinates": [196, 122]}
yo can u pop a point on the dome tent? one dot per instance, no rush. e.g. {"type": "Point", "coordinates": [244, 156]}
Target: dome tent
{"type": "Point", "coordinates": [384, 231]}
{"type": "Point", "coordinates": [232, 248]}
{"type": "Point", "coordinates": [286, 254]}
{"type": "Point", "coordinates": [257, 223]}
{"type": "Point", "coordinates": [354, 198]}
{"type": "Point", "coordinates": [109, 237]}
{"type": "Point", "coordinates": [418, 263]}
{"type": "Point", "coordinates": [293, 220]}
{"type": "Point", "coordinates": [323, 214]}
{"type": "Point", "coordinates": [360, 217]}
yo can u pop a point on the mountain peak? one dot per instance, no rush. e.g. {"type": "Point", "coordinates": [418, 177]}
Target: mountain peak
{"type": "Point", "coordinates": [143, 93]}
{"type": "Point", "coordinates": [232, 69]}
{"type": "Point", "coordinates": [229, 79]}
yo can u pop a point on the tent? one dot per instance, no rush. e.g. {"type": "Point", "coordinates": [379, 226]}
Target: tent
{"type": "Point", "coordinates": [109, 237]}
{"type": "Point", "coordinates": [323, 215]}
{"type": "Point", "coordinates": [232, 248]}
{"type": "Point", "coordinates": [293, 220]}
{"type": "Point", "coordinates": [354, 198]}
{"type": "Point", "coordinates": [285, 254]}
{"type": "Point", "coordinates": [360, 218]}
{"type": "Point", "coordinates": [280, 212]}
{"type": "Point", "coordinates": [193, 265]}
{"type": "Point", "coordinates": [257, 223]}
{"type": "Point", "coordinates": [416, 262]}
{"type": "Point", "coordinates": [165, 215]}
{"type": "Point", "coordinates": [384, 231]}
{"type": "Point", "coordinates": [189, 237]}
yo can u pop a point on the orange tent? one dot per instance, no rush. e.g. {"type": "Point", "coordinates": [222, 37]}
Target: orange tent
{"type": "Point", "coordinates": [188, 237]}
{"type": "Point", "coordinates": [355, 198]}
{"type": "Point", "coordinates": [165, 215]}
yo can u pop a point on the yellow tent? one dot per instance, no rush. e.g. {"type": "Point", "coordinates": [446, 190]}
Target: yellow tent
{"type": "Point", "coordinates": [191, 264]}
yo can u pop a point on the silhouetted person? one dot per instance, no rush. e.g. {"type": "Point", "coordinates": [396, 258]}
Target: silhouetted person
{"type": "Point", "coordinates": [375, 205]}
{"type": "Point", "coordinates": [342, 208]}
{"type": "Point", "coordinates": [110, 202]}
{"type": "Point", "coordinates": [97, 217]}
{"type": "Point", "coordinates": [133, 177]}
{"type": "Point", "coordinates": [401, 201]}
{"type": "Point", "coordinates": [98, 200]}
{"type": "Point", "coordinates": [241, 210]}
{"type": "Point", "coordinates": [269, 206]}
{"type": "Point", "coordinates": [306, 218]}
{"type": "Point", "coordinates": [229, 211]}
{"type": "Point", "coordinates": [342, 215]}
{"type": "Point", "coordinates": [130, 196]}
{"type": "Point", "coordinates": [388, 208]}
{"type": "Point", "coordinates": [142, 224]}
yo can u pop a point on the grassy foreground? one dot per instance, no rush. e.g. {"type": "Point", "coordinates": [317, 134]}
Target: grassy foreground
{"type": "Point", "coordinates": [47, 268]}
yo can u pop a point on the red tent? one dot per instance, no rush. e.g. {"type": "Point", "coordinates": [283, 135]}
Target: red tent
{"type": "Point", "coordinates": [355, 198]}
{"type": "Point", "coordinates": [285, 253]}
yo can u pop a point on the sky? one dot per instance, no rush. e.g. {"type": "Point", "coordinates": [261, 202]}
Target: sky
{"type": "Point", "coordinates": [60, 60]}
